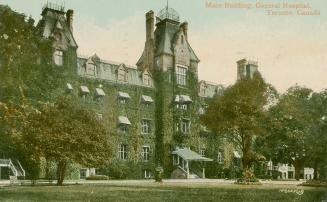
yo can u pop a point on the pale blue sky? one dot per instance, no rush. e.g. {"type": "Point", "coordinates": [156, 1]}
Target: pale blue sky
{"type": "Point", "coordinates": [290, 49]}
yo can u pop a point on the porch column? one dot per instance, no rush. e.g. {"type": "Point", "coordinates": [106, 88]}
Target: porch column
{"type": "Point", "coordinates": [187, 170]}
{"type": "Point", "coordinates": [203, 172]}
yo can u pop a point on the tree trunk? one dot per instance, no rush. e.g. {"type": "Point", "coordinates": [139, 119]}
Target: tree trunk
{"type": "Point", "coordinates": [61, 171]}
{"type": "Point", "coordinates": [247, 140]}
{"type": "Point", "coordinates": [315, 167]}
{"type": "Point", "coordinates": [298, 165]}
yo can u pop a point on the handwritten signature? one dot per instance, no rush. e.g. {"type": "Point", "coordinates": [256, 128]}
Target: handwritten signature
{"type": "Point", "coordinates": [296, 191]}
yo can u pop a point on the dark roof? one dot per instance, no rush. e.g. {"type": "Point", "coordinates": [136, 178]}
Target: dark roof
{"type": "Point", "coordinates": [165, 34]}
{"type": "Point", "coordinates": [48, 24]}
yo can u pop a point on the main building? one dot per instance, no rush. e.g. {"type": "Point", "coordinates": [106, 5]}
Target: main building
{"type": "Point", "coordinates": [152, 109]}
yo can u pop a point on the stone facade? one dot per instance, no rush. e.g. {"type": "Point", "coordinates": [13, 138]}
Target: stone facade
{"type": "Point", "coordinates": [151, 109]}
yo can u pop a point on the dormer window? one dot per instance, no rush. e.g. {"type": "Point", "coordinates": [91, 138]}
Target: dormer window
{"type": "Point", "coordinates": [203, 89]}
{"type": "Point", "coordinates": [58, 57]}
{"type": "Point", "coordinates": [91, 69]}
{"type": "Point", "coordinates": [146, 80]}
{"type": "Point", "coordinates": [122, 73]}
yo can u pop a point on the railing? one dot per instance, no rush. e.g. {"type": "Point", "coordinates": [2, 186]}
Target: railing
{"type": "Point", "coordinates": [12, 167]}
{"type": "Point", "coordinates": [21, 168]}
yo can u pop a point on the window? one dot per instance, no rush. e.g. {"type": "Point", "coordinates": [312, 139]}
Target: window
{"type": "Point", "coordinates": [145, 126]}
{"type": "Point", "coordinates": [122, 151]}
{"type": "Point", "coordinates": [122, 73]}
{"type": "Point", "coordinates": [181, 75]}
{"type": "Point", "coordinates": [202, 151]}
{"type": "Point", "coordinates": [123, 97]}
{"type": "Point", "coordinates": [147, 174]}
{"type": "Point", "coordinates": [182, 106]}
{"type": "Point", "coordinates": [145, 153]}
{"type": "Point", "coordinates": [186, 126]}
{"type": "Point", "coordinates": [91, 69]}
{"type": "Point", "coordinates": [58, 57]}
{"type": "Point", "coordinates": [99, 116]}
{"type": "Point", "coordinates": [220, 158]}
{"type": "Point", "coordinates": [146, 80]}
{"type": "Point", "coordinates": [123, 128]}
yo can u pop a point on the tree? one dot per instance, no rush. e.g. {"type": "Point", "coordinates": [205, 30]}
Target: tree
{"type": "Point", "coordinates": [65, 132]}
{"type": "Point", "coordinates": [288, 127]}
{"type": "Point", "coordinates": [25, 60]}
{"type": "Point", "coordinates": [316, 141]}
{"type": "Point", "coordinates": [238, 114]}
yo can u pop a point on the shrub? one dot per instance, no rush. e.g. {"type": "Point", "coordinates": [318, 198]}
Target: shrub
{"type": "Point", "coordinates": [98, 177]}
{"type": "Point", "coordinates": [315, 183]}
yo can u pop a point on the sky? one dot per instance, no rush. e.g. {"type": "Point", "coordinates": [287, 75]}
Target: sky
{"type": "Point", "coordinates": [290, 49]}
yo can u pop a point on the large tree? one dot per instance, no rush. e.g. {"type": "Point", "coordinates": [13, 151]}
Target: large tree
{"type": "Point", "coordinates": [289, 126]}
{"type": "Point", "coordinates": [316, 141]}
{"type": "Point", "coordinates": [238, 114]}
{"type": "Point", "coordinates": [62, 132]}
{"type": "Point", "coordinates": [65, 133]}
{"type": "Point", "coordinates": [25, 60]}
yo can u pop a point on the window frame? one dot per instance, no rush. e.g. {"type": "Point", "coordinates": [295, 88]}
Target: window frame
{"type": "Point", "coordinates": [92, 67]}
{"type": "Point", "coordinates": [145, 126]}
{"type": "Point", "coordinates": [58, 57]}
{"type": "Point", "coordinates": [147, 174]}
{"type": "Point", "coordinates": [181, 74]}
{"type": "Point", "coordinates": [202, 152]}
{"type": "Point", "coordinates": [122, 152]}
{"type": "Point", "coordinates": [186, 126]}
{"type": "Point", "coordinates": [145, 153]}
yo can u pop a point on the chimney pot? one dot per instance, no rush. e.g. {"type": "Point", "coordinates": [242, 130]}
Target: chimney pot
{"type": "Point", "coordinates": [69, 18]}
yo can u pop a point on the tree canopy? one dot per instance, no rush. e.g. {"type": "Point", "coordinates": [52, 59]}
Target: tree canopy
{"type": "Point", "coordinates": [238, 114]}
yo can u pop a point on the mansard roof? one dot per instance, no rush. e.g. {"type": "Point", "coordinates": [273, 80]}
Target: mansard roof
{"type": "Point", "coordinates": [108, 71]}
{"type": "Point", "coordinates": [49, 23]}
{"type": "Point", "coordinates": [165, 38]}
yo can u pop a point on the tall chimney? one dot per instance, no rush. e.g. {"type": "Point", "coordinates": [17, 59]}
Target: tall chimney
{"type": "Point", "coordinates": [184, 27]}
{"type": "Point", "coordinates": [149, 16]}
{"type": "Point", "coordinates": [69, 18]}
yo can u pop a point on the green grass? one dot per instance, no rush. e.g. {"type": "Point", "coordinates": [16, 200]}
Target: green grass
{"type": "Point", "coordinates": [161, 192]}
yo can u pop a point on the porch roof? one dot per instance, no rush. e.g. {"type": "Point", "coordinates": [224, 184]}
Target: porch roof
{"type": "Point", "coordinates": [190, 155]}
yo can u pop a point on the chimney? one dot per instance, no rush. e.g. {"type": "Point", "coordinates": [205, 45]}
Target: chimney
{"type": "Point", "coordinates": [184, 27]}
{"type": "Point", "coordinates": [149, 16]}
{"type": "Point", "coordinates": [69, 18]}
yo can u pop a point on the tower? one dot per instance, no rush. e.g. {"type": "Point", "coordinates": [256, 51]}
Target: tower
{"type": "Point", "coordinates": [173, 65]}
{"type": "Point", "coordinates": [246, 68]}
{"type": "Point", "coordinates": [57, 24]}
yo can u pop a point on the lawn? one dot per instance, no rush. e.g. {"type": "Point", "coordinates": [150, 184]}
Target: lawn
{"type": "Point", "coordinates": [162, 192]}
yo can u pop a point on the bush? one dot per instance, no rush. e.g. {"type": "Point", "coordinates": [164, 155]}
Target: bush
{"type": "Point", "coordinates": [314, 183]}
{"type": "Point", "coordinates": [248, 179]}
{"type": "Point", "coordinates": [158, 174]}
{"type": "Point", "coordinates": [97, 177]}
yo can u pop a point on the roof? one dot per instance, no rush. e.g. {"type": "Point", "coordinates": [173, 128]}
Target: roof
{"type": "Point", "coordinates": [123, 95]}
{"type": "Point", "coordinates": [85, 89]}
{"type": "Point", "coordinates": [49, 22]}
{"type": "Point", "coordinates": [107, 70]}
{"type": "Point", "coordinates": [123, 120]}
{"type": "Point", "coordinates": [211, 89]}
{"type": "Point", "coordinates": [237, 155]}
{"type": "Point", "coordinates": [146, 98]}
{"type": "Point", "coordinates": [190, 155]}
{"type": "Point", "coordinates": [69, 86]}
{"type": "Point", "coordinates": [99, 92]}
{"type": "Point", "coordinates": [165, 35]}
{"type": "Point", "coordinates": [182, 99]}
